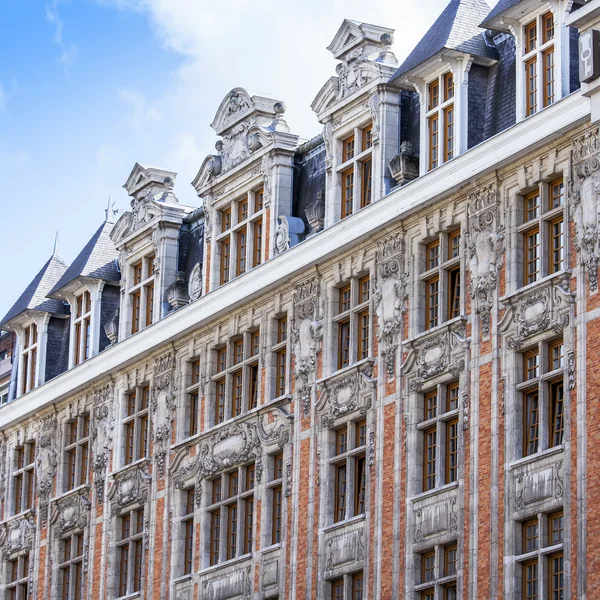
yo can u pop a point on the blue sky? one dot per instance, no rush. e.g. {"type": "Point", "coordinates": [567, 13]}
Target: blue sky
{"type": "Point", "coordinates": [89, 87]}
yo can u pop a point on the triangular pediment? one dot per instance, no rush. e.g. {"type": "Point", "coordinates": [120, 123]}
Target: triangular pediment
{"type": "Point", "coordinates": [137, 176]}
{"type": "Point", "coordinates": [354, 33]}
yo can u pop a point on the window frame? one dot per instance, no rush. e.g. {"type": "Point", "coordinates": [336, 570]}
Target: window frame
{"type": "Point", "coordinates": [130, 562]}
{"type": "Point", "coordinates": [141, 292]}
{"type": "Point", "coordinates": [28, 354]}
{"type": "Point", "coordinates": [77, 452]}
{"type": "Point", "coordinates": [82, 320]}
{"type": "Point", "coordinates": [17, 579]}
{"type": "Point", "coordinates": [23, 477]}
{"type": "Point", "coordinates": [441, 581]}
{"type": "Point", "coordinates": [441, 132]}
{"type": "Point", "coordinates": [280, 355]}
{"type": "Point", "coordinates": [136, 424]}
{"type": "Point", "coordinates": [71, 587]}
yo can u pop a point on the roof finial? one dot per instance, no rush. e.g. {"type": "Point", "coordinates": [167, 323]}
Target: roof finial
{"type": "Point", "coordinates": [55, 245]}
{"type": "Point", "coordinates": [107, 210]}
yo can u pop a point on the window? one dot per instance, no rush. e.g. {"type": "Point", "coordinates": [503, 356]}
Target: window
{"type": "Point", "coordinates": [23, 477]}
{"type": "Point", "coordinates": [130, 551]}
{"type": "Point", "coordinates": [440, 433]}
{"type": "Point", "coordinates": [231, 514]}
{"type": "Point", "coordinates": [193, 404]}
{"type": "Point", "coordinates": [538, 63]}
{"type": "Point", "coordinates": [353, 322]}
{"type": "Point", "coordinates": [275, 487]}
{"type": "Point", "coordinates": [542, 392]}
{"type": "Point", "coordinates": [17, 587]}
{"type": "Point", "coordinates": [141, 294]}
{"type": "Point", "coordinates": [356, 171]}
{"type": "Point", "coordinates": [541, 552]}
{"type": "Point", "coordinates": [187, 525]}
{"type": "Point", "coordinates": [237, 378]}
{"type": "Point", "coordinates": [136, 424]}
{"type": "Point", "coordinates": [280, 350]}
{"type": "Point", "coordinates": [349, 586]}
{"type": "Point", "coordinates": [77, 450]}
{"type": "Point", "coordinates": [442, 279]}
{"type": "Point", "coordinates": [71, 567]}
{"type": "Point", "coordinates": [348, 467]}
{"type": "Point", "coordinates": [440, 120]}
{"type": "Point", "coordinates": [439, 568]}
{"type": "Point", "coordinates": [241, 244]}
{"type": "Point", "coordinates": [542, 231]}
{"type": "Point", "coordinates": [28, 368]}
{"type": "Point", "coordinates": [82, 320]}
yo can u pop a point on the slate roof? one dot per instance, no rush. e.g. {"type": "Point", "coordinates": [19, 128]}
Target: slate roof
{"type": "Point", "coordinates": [499, 9]}
{"type": "Point", "coordinates": [35, 296]}
{"type": "Point", "coordinates": [96, 260]}
{"type": "Point", "coordinates": [457, 28]}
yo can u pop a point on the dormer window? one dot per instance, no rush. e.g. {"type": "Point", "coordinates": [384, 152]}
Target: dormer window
{"type": "Point", "coordinates": [356, 170]}
{"type": "Point", "coordinates": [29, 358]}
{"type": "Point", "coordinates": [538, 63]}
{"type": "Point", "coordinates": [83, 315]}
{"type": "Point", "coordinates": [440, 120]}
{"type": "Point", "coordinates": [241, 243]}
{"type": "Point", "coordinates": [142, 294]}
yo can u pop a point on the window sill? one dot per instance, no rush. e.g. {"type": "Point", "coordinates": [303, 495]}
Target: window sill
{"type": "Point", "coordinates": [132, 465]}
{"type": "Point", "coordinates": [182, 579]}
{"type": "Point", "coordinates": [537, 456]}
{"type": "Point", "coordinates": [130, 596]}
{"type": "Point", "coordinates": [451, 324]}
{"type": "Point", "coordinates": [436, 491]}
{"type": "Point", "coordinates": [271, 548]}
{"type": "Point", "coordinates": [439, 581]}
{"type": "Point", "coordinates": [344, 523]}
{"type": "Point", "coordinates": [84, 487]}
{"type": "Point", "coordinates": [564, 274]}
{"type": "Point", "coordinates": [357, 366]}
{"type": "Point", "coordinates": [226, 563]}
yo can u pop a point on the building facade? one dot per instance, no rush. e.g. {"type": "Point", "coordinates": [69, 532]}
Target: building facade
{"type": "Point", "coordinates": [363, 368]}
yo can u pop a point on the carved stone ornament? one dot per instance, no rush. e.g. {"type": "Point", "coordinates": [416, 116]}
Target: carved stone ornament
{"type": "Point", "coordinates": [485, 245]}
{"type": "Point", "coordinates": [442, 353]}
{"type": "Point", "coordinates": [437, 517]}
{"type": "Point", "coordinates": [543, 309]}
{"type": "Point", "coordinates": [102, 437]}
{"type": "Point", "coordinates": [17, 535]}
{"type": "Point", "coordinates": [46, 463]}
{"type": "Point", "coordinates": [315, 213]}
{"type": "Point", "coordinates": [234, 583]}
{"type": "Point", "coordinates": [70, 512]}
{"type": "Point", "coordinates": [343, 395]}
{"type": "Point", "coordinates": [231, 446]}
{"type": "Point", "coordinates": [389, 297]}
{"type": "Point", "coordinates": [163, 405]}
{"type": "Point", "coordinates": [536, 484]}
{"type": "Point", "coordinates": [282, 235]}
{"type": "Point", "coordinates": [306, 338]}
{"type": "Point", "coordinates": [345, 547]}
{"type": "Point", "coordinates": [130, 487]}
{"type": "Point", "coordinates": [571, 368]}
{"type": "Point", "coordinates": [266, 170]}
{"type": "Point", "coordinates": [195, 284]}
{"type": "Point", "coordinates": [584, 189]}
{"type": "Point", "coordinates": [354, 72]}
{"type": "Point", "coordinates": [2, 466]}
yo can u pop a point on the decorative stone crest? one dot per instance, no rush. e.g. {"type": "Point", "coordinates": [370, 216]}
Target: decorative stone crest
{"type": "Point", "coordinates": [539, 310]}
{"type": "Point", "coordinates": [130, 487]}
{"type": "Point", "coordinates": [195, 284]}
{"type": "Point", "coordinates": [436, 518]}
{"type": "Point", "coordinates": [432, 356]}
{"type": "Point", "coordinates": [584, 188]}
{"type": "Point", "coordinates": [345, 547]}
{"type": "Point", "coordinates": [344, 395]}
{"type": "Point", "coordinates": [485, 237]}
{"type": "Point", "coordinates": [163, 405]}
{"type": "Point", "coordinates": [102, 437]}
{"type": "Point", "coordinates": [306, 337]}
{"type": "Point", "coordinates": [70, 512]}
{"type": "Point", "coordinates": [46, 463]}
{"type": "Point", "coordinates": [17, 535]}
{"type": "Point", "coordinates": [571, 368]}
{"type": "Point", "coordinates": [282, 235]}
{"type": "Point", "coordinates": [389, 297]}
{"type": "Point", "coordinates": [2, 466]}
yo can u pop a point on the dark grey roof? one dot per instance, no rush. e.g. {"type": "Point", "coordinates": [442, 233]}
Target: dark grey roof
{"type": "Point", "coordinates": [457, 28]}
{"type": "Point", "coordinates": [498, 10]}
{"type": "Point", "coordinates": [34, 297]}
{"type": "Point", "coordinates": [96, 260]}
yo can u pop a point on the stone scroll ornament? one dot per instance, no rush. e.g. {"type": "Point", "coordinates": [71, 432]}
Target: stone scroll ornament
{"type": "Point", "coordinates": [46, 463]}
{"type": "Point", "coordinates": [102, 437]}
{"type": "Point", "coordinates": [584, 188]}
{"type": "Point", "coordinates": [163, 406]}
{"type": "Point", "coordinates": [306, 338]}
{"type": "Point", "coordinates": [485, 245]}
{"type": "Point", "coordinates": [389, 297]}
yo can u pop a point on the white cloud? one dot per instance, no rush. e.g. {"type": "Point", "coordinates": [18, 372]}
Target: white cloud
{"type": "Point", "coordinates": [68, 52]}
{"type": "Point", "coordinates": [141, 111]}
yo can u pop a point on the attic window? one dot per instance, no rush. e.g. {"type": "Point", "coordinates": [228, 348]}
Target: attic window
{"type": "Point", "coordinates": [538, 63]}
{"type": "Point", "coordinates": [28, 365]}
{"type": "Point", "coordinates": [440, 120]}
{"type": "Point", "coordinates": [83, 314]}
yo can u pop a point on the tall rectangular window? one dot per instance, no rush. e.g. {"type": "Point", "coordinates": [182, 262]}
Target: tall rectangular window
{"type": "Point", "coordinates": [187, 524]}
{"type": "Point", "coordinates": [23, 477]}
{"type": "Point", "coordinates": [77, 450]}
{"type": "Point", "coordinates": [141, 293]}
{"type": "Point", "coordinates": [71, 567]}
{"type": "Point", "coordinates": [136, 424]}
{"type": "Point", "coordinates": [353, 322]}
{"type": "Point", "coordinates": [29, 358]}
{"type": "Point", "coordinates": [17, 581]}
{"type": "Point", "coordinates": [276, 492]}
{"type": "Point", "coordinates": [193, 394]}
{"type": "Point", "coordinates": [280, 351]}
{"type": "Point", "coordinates": [242, 245]}
{"type": "Point", "coordinates": [434, 142]}
{"type": "Point", "coordinates": [130, 550]}
{"type": "Point", "coordinates": [225, 246]}
{"type": "Point", "coordinates": [448, 133]}
{"type": "Point", "coordinates": [440, 119]}
{"type": "Point", "coordinates": [538, 63]}
{"type": "Point", "coordinates": [82, 320]}
{"type": "Point", "coordinates": [347, 193]}
{"type": "Point", "coordinates": [367, 183]}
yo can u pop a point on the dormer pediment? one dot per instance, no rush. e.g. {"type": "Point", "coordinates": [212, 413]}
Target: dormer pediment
{"type": "Point", "coordinates": [353, 34]}
{"type": "Point", "coordinates": [143, 179]}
